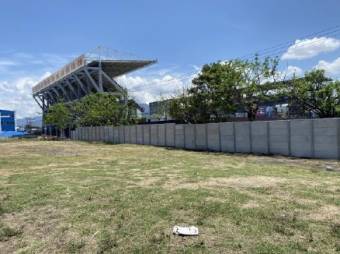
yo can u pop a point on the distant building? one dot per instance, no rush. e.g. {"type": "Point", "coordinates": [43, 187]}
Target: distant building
{"type": "Point", "coordinates": [159, 110]}
{"type": "Point", "coordinates": [7, 120]}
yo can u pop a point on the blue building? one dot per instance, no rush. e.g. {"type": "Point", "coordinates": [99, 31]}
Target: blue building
{"type": "Point", "coordinates": [7, 120]}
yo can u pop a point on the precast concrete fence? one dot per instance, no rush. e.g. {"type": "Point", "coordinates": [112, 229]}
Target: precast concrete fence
{"type": "Point", "coordinates": [311, 138]}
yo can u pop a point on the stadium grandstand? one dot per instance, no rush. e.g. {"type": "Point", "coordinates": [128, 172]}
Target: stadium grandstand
{"type": "Point", "coordinates": [89, 73]}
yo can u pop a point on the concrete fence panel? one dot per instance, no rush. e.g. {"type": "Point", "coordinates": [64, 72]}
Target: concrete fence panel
{"type": "Point", "coordinates": [179, 136]}
{"type": "Point", "coordinates": [83, 133]}
{"type": "Point", "coordinates": [201, 137]}
{"type": "Point", "coordinates": [279, 137]}
{"type": "Point", "coordinates": [121, 134]}
{"type": "Point", "coordinates": [111, 137]}
{"type": "Point", "coordinates": [127, 134]}
{"type": "Point", "coordinates": [227, 137]}
{"type": "Point", "coordinates": [154, 134]}
{"type": "Point", "coordinates": [100, 133]}
{"type": "Point", "coordinates": [170, 134]}
{"type": "Point", "coordinates": [189, 136]}
{"type": "Point", "coordinates": [80, 132]}
{"type": "Point", "coordinates": [139, 134]}
{"type": "Point", "coordinates": [93, 133]}
{"type": "Point", "coordinates": [243, 137]}
{"type": "Point", "coordinates": [116, 135]}
{"type": "Point", "coordinates": [326, 138]}
{"type": "Point", "coordinates": [259, 137]}
{"type": "Point", "coordinates": [214, 141]}
{"type": "Point", "coordinates": [133, 134]}
{"type": "Point", "coordinates": [94, 130]}
{"type": "Point", "coordinates": [301, 138]}
{"type": "Point", "coordinates": [161, 134]}
{"type": "Point", "coordinates": [146, 134]}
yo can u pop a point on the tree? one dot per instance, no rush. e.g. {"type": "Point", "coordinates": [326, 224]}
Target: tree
{"type": "Point", "coordinates": [60, 116]}
{"type": "Point", "coordinates": [316, 93]}
{"type": "Point", "coordinates": [101, 109]}
{"type": "Point", "coordinates": [224, 87]}
{"type": "Point", "coordinates": [212, 95]}
{"type": "Point", "coordinates": [254, 89]}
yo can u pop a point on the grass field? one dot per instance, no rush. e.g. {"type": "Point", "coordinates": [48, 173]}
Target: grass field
{"type": "Point", "coordinates": [75, 197]}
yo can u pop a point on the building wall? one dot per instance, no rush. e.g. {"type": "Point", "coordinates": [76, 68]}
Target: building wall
{"type": "Point", "coordinates": [311, 138]}
{"type": "Point", "coordinates": [7, 119]}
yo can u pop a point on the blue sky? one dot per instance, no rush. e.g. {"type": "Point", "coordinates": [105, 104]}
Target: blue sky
{"type": "Point", "coordinates": [37, 37]}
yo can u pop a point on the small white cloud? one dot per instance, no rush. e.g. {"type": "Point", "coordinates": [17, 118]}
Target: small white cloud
{"type": "Point", "coordinates": [293, 71]}
{"type": "Point", "coordinates": [5, 62]}
{"type": "Point", "coordinates": [308, 48]}
{"type": "Point", "coordinates": [331, 68]}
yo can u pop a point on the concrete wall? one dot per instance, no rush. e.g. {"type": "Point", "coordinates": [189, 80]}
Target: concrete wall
{"type": "Point", "coordinates": [146, 134]}
{"type": "Point", "coordinates": [259, 137]}
{"type": "Point", "coordinates": [213, 133]}
{"type": "Point", "coordinates": [242, 137]}
{"type": "Point", "coordinates": [201, 139]}
{"type": "Point", "coordinates": [301, 138]}
{"type": "Point", "coordinates": [227, 137]}
{"type": "Point", "coordinates": [139, 133]}
{"type": "Point", "coordinates": [189, 136]}
{"type": "Point", "coordinates": [279, 137]}
{"type": "Point", "coordinates": [312, 138]}
{"type": "Point", "coordinates": [161, 134]}
{"type": "Point", "coordinates": [170, 134]}
{"type": "Point", "coordinates": [179, 136]}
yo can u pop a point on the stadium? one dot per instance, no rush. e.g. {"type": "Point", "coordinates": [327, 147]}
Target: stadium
{"type": "Point", "coordinates": [93, 72]}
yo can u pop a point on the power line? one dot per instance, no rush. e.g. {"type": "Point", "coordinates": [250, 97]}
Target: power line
{"type": "Point", "coordinates": [324, 32]}
{"type": "Point", "coordinates": [273, 51]}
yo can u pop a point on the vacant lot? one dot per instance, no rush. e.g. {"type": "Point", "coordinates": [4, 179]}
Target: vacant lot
{"type": "Point", "coordinates": [68, 197]}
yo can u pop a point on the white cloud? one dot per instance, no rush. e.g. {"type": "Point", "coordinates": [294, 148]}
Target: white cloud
{"type": "Point", "coordinates": [5, 62]}
{"type": "Point", "coordinates": [308, 48]}
{"type": "Point", "coordinates": [17, 95]}
{"type": "Point", "coordinates": [148, 89]}
{"type": "Point", "coordinates": [293, 71]}
{"type": "Point", "coordinates": [331, 68]}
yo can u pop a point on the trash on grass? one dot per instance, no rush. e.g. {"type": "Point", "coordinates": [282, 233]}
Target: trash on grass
{"type": "Point", "coordinates": [185, 231]}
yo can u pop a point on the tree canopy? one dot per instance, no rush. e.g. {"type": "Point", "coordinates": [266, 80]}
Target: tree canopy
{"type": "Point", "coordinates": [93, 110]}
{"type": "Point", "coordinates": [223, 88]}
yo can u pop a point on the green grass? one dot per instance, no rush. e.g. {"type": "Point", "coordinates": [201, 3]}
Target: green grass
{"type": "Point", "coordinates": [76, 197]}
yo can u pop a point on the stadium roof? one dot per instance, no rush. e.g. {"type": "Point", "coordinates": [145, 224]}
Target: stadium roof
{"type": "Point", "coordinates": [87, 73]}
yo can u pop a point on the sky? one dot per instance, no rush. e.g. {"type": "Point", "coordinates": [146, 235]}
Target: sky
{"type": "Point", "coordinates": [38, 37]}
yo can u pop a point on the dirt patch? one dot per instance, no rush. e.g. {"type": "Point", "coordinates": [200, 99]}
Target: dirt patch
{"type": "Point", "coordinates": [146, 182]}
{"type": "Point", "coordinates": [326, 213]}
{"type": "Point", "coordinates": [250, 204]}
{"type": "Point", "coordinates": [233, 182]}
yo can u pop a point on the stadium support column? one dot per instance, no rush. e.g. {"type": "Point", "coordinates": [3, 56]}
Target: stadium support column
{"type": "Point", "coordinates": [100, 76]}
{"type": "Point", "coordinates": [92, 81]}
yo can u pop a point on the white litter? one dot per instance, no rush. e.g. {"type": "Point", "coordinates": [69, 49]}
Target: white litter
{"type": "Point", "coordinates": [185, 231]}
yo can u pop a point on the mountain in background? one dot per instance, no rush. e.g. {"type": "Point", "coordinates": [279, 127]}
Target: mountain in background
{"type": "Point", "coordinates": [33, 121]}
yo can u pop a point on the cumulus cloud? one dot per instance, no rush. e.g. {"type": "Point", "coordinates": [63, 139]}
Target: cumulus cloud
{"type": "Point", "coordinates": [308, 48]}
{"type": "Point", "coordinates": [293, 71]}
{"type": "Point", "coordinates": [146, 89]}
{"type": "Point", "coordinates": [331, 68]}
{"type": "Point", "coordinates": [17, 95]}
